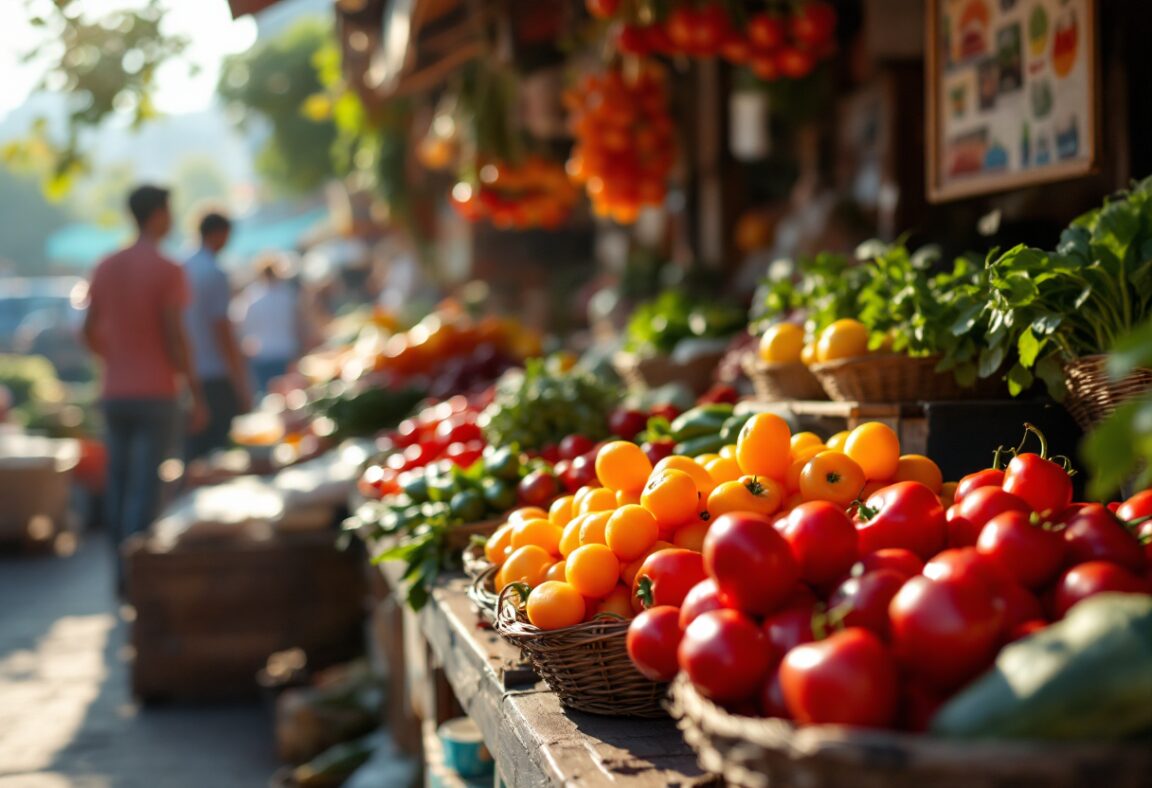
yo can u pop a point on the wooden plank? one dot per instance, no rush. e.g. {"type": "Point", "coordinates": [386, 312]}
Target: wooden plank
{"type": "Point", "coordinates": [534, 740]}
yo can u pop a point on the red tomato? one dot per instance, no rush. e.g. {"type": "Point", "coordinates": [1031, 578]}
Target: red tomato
{"type": "Point", "coordinates": [464, 454]}
{"type": "Point", "coordinates": [903, 561]}
{"type": "Point", "coordinates": [632, 40]}
{"type": "Point", "coordinates": [627, 424]}
{"type": "Point", "coordinates": [984, 503]}
{"type": "Point", "coordinates": [653, 638]}
{"type": "Point", "coordinates": [1136, 507]}
{"type": "Point", "coordinates": [710, 29]}
{"type": "Point", "coordinates": [946, 631]}
{"type": "Point", "coordinates": [814, 24]}
{"type": "Point", "coordinates": [790, 626]}
{"type": "Point", "coordinates": [1040, 483]}
{"type": "Point", "coordinates": [905, 514]}
{"type": "Point", "coordinates": [1024, 629]}
{"type": "Point", "coordinates": [795, 63]}
{"type": "Point", "coordinates": [1144, 536]}
{"type": "Point", "coordinates": [665, 411]}
{"type": "Point", "coordinates": [919, 702]}
{"type": "Point", "coordinates": [866, 599]}
{"type": "Point", "coordinates": [772, 703]}
{"type": "Point", "coordinates": [751, 563]}
{"type": "Point", "coordinates": [822, 539]}
{"type": "Point", "coordinates": [736, 49]}
{"type": "Point", "coordinates": [581, 473]}
{"type": "Point", "coordinates": [537, 489]}
{"type": "Point", "coordinates": [667, 576]}
{"type": "Point", "coordinates": [959, 529]}
{"type": "Point", "coordinates": [766, 32]}
{"type": "Point", "coordinates": [725, 655]}
{"type": "Point", "coordinates": [764, 66]}
{"type": "Point", "coordinates": [679, 26]}
{"type": "Point", "coordinates": [990, 477]}
{"type": "Point", "coordinates": [966, 564]}
{"type": "Point", "coordinates": [602, 9]}
{"type": "Point", "coordinates": [847, 679]}
{"type": "Point", "coordinates": [703, 596]}
{"type": "Point", "coordinates": [574, 445]}
{"type": "Point", "coordinates": [459, 430]}
{"type": "Point", "coordinates": [1020, 605]}
{"type": "Point", "coordinates": [658, 450]}
{"type": "Point", "coordinates": [1091, 578]}
{"type": "Point", "coordinates": [1093, 533]}
{"type": "Point", "coordinates": [1031, 553]}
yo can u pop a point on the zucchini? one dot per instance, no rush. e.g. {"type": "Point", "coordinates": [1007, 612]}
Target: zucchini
{"type": "Point", "coordinates": [1086, 677]}
{"type": "Point", "coordinates": [705, 444]}
{"type": "Point", "coordinates": [700, 421]}
{"type": "Point", "coordinates": [731, 429]}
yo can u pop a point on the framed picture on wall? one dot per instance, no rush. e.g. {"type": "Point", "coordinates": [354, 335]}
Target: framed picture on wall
{"type": "Point", "coordinates": [1012, 94]}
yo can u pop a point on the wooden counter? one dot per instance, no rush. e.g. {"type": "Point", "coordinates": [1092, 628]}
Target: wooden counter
{"type": "Point", "coordinates": [535, 742]}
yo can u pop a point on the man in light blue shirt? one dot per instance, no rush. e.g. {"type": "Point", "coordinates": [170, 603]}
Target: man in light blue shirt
{"type": "Point", "coordinates": [223, 373]}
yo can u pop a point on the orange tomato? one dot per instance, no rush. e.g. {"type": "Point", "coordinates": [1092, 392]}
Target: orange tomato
{"type": "Point", "coordinates": [948, 493]}
{"type": "Point", "coordinates": [764, 446]}
{"type": "Point", "coordinates": [729, 452]}
{"type": "Point", "coordinates": [803, 440]}
{"type": "Point", "coordinates": [625, 497]}
{"type": "Point", "coordinates": [561, 511]}
{"type": "Point", "coordinates": [679, 462]}
{"type": "Point", "coordinates": [527, 565]}
{"type": "Point", "coordinates": [556, 572]}
{"type": "Point", "coordinates": [757, 494]}
{"type": "Point", "coordinates": [808, 354]}
{"type": "Point", "coordinates": [570, 538]}
{"type": "Point", "coordinates": [872, 487]}
{"type": "Point", "coordinates": [617, 603]}
{"type": "Point", "coordinates": [579, 496]}
{"type": "Point", "coordinates": [498, 543]}
{"type": "Point", "coordinates": [876, 449]}
{"type": "Point", "coordinates": [526, 513]}
{"type": "Point", "coordinates": [599, 500]}
{"type": "Point", "coordinates": [555, 605]}
{"type": "Point", "coordinates": [837, 441]}
{"type": "Point", "coordinates": [722, 470]}
{"type": "Point", "coordinates": [593, 528]}
{"type": "Point", "coordinates": [799, 460]}
{"type": "Point", "coordinates": [539, 532]}
{"type": "Point", "coordinates": [704, 459]}
{"type": "Point", "coordinates": [691, 536]}
{"type": "Point", "coordinates": [622, 465]}
{"type": "Point", "coordinates": [631, 530]}
{"type": "Point", "coordinates": [845, 338]}
{"type": "Point", "coordinates": [672, 498]}
{"type": "Point", "coordinates": [918, 468]}
{"type": "Point", "coordinates": [593, 570]}
{"type": "Point", "coordinates": [831, 476]}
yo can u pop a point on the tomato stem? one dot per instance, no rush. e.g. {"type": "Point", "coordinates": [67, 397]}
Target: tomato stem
{"type": "Point", "coordinates": [864, 510]}
{"type": "Point", "coordinates": [1065, 462]}
{"type": "Point", "coordinates": [997, 455]}
{"type": "Point", "coordinates": [644, 591]}
{"type": "Point", "coordinates": [1031, 428]}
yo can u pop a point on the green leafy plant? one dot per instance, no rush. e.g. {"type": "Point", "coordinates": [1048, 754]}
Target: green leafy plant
{"type": "Point", "coordinates": [1045, 308]}
{"type": "Point", "coordinates": [659, 325]}
{"type": "Point", "coordinates": [825, 288]}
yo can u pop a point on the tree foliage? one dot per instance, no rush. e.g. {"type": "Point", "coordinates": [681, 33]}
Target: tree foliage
{"type": "Point", "coordinates": [273, 82]}
{"type": "Point", "coordinates": [105, 65]}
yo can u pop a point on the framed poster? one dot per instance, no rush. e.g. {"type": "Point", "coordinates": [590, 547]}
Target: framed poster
{"type": "Point", "coordinates": [1012, 94]}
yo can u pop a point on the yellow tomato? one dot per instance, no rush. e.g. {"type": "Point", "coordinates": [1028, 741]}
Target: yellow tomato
{"type": "Point", "coordinates": [782, 343]}
{"type": "Point", "coordinates": [846, 338]}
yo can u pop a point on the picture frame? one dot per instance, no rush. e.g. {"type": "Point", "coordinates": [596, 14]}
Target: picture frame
{"type": "Point", "coordinates": [1012, 94]}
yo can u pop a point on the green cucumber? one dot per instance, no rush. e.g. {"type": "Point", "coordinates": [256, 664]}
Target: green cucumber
{"type": "Point", "coordinates": [731, 429]}
{"type": "Point", "coordinates": [1086, 677]}
{"type": "Point", "coordinates": [706, 444]}
{"type": "Point", "coordinates": [700, 421]}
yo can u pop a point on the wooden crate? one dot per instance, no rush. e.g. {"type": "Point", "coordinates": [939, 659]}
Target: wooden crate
{"type": "Point", "coordinates": [208, 615]}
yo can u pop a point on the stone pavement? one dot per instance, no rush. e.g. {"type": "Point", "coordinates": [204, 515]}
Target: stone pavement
{"type": "Point", "coordinates": [67, 719]}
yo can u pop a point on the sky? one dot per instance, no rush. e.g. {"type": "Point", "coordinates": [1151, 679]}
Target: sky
{"type": "Point", "coordinates": [208, 23]}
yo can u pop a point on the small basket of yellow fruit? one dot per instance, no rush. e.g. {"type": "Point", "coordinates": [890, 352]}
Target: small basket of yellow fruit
{"type": "Point", "coordinates": [778, 369]}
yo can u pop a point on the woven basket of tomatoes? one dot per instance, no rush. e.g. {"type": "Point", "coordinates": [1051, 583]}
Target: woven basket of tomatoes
{"type": "Point", "coordinates": [894, 377]}
{"type": "Point", "coordinates": [762, 752]}
{"type": "Point", "coordinates": [482, 593]}
{"type": "Point", "coordinates": [777, 381]}
{"type": "Point", "coordinates": [586, 665]}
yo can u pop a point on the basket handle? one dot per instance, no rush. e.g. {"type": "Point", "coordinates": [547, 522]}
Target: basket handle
{"type": "Point", "coordinates": [508, 608]}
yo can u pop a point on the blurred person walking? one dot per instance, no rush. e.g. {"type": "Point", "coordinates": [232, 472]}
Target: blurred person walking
{"type": "Point", "coordinates": [134, 325]}
{"type": "Point", "coordinates": [272, 324]}
{"type": "Point", "coordinates": [215, 349]}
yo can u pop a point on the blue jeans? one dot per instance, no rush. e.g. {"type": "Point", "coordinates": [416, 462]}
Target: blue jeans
{"type": "Point", "coordinates": [141, 435]}
{"type": "Point", "coordinates": [264, 370]}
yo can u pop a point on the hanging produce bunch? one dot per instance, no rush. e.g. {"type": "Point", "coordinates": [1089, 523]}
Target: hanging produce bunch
{"type": "Point", "coordinates": [624, 144]}
{"type": "Point", "coordinates": [776, 40]}
{"type": "Point", "coordinates": [534, 192]}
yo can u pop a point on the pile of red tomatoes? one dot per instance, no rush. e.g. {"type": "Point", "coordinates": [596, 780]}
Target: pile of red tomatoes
{"type": "Point", "coordinates": [624, 140]}
{"type": "Point", "coordinates": [516, 196]}
{"type": "Point", "coordinates": [775, 40]}
{"type": "Point", "coordinates": [874, 615]}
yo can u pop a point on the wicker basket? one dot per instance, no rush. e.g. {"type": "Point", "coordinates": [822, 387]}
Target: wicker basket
{"type": "Point", "coordinates": [766, 753]}
{"type": "Point", "coordinates": [1093, 394]}
{"type": "Point", "coordinates": [649, 372]}
{"type": "Point", "coordinates": [586, 665]}
{"type": "Point", "coordinates": [474, 561]}
{"type": "Point", "coordinates": [893, 377]}
{"type": "Point", "coordinates": [775, 382]}
{"type": "Point", "coordinates": [482, 592]}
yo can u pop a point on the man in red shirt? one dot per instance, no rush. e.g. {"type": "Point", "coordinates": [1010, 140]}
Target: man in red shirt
{"type": "Point", "coordinates": [135, 325]}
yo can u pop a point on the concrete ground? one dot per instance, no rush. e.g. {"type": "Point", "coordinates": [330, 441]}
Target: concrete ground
{"type": "Point", "coordinates": [67, 718]}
